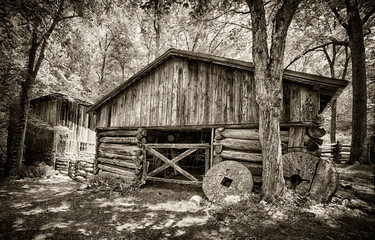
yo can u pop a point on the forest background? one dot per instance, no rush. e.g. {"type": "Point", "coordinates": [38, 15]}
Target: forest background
{"type": "Point", "coordinates": [102, 43]}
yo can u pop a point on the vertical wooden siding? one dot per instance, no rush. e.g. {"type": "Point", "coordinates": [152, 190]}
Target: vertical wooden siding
{"type": "Point", "coordinates": [183, 92]}
{"type": "Point", "coordinates": [67, 114]}
{"type": "Point", "coordinates": [301, 103]}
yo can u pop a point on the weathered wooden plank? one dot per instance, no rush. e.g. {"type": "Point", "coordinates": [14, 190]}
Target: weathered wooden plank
{"type": "Point", "coordinates": [130, 158]}
{"type": "Point", "coordinates": [177, 145]}
{"type": "Point", "coordinates": [125, 178]}
{"type": "Point", "coordinates": [162, 108]}
{"type": "Point", "coordinates": [118, 163]}
{"type": "Point", "coordinates": [117, 170]}
{"type": "Point", "coordinates": [209, 94]}
{"type": "Point", "coordinates": [243, 156]}
{"type": "Point", "coordinates": [245, 99]}
{"type": "Point", "coordinates": [202, 91]}
{"type": "Point", "coordinates": [152, 100]}
{"type": "Point", "coordinates": [125, 147]}
{"type": "Point", "coordinates": [295, 103]}
{"type": "Point", "coordinates": [250, 134]}
{"type": "Point", "coordinates": [130, 140]}
{"type": "Point", "coordinates": [236, 97]}
{"type": "Point", "coordinates": [157, 97]}
{"type": "Point", "coordinates": [117, 133]}
{"type": "Point", "coordinates": [241, 144]}
{"type": "Point", "coordinates": [182, 94]}
{"type": "Point", "coordinates": [139, 100]}
{"type": "Point", "coordinates": [194, 93]}
{"type": "Point", "coordinates": [148, 83]}
{"type": "Point", "coordinates": [177, 181]}
{"type": "Point", "coordinates": [170, 93]}
{"type": "Point", "coordinates": [253, 104]}
{"type": "Point", "coordinates": [174, 94]}
{"type": "Point", "coordinates": [296, 137]}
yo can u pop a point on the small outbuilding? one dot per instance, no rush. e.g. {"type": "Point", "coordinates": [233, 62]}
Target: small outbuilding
{"type": "Point", "coordinates": [189, 111]}
{"type": "Point", "coordinates": [60, 132]}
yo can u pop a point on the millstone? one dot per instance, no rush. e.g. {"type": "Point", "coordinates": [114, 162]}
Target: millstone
{"type": "Point", "coordinates": [309, 175]}
{"type": "Point", "coordinates": [227, 182]}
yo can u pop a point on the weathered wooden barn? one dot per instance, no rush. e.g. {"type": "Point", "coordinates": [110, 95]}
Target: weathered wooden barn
{"type": "Point", "coordinates": [59, 132]}
{"type": "Point", "coordinates": [189, 110]}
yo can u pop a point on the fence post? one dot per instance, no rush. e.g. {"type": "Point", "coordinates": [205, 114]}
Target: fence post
{"type": "Point", "coordinates": [336, 152]}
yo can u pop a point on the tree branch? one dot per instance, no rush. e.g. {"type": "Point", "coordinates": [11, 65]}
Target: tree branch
{"type": "Point", "coordinates": [339, 18]}
{"type": "Point", "coordinates": [368, 15]}
{"type": "Point", "coordinates": [46, 37]}
{"type": "Point", "coordinates": [333, 41]}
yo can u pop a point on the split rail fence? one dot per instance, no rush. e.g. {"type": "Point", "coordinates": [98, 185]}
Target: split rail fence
{"type": "Point", "coordinates": [336, 152]}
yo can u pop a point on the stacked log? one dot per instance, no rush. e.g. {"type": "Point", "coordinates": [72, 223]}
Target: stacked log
{"type": "Point", "coordinates": [81, 169]}
{"type": "Point", "coordinates": [62, 163]}
{"type": "Point", "coordinates": [119, 153]}
{"type": "Point", "coordinates": [241, 145]}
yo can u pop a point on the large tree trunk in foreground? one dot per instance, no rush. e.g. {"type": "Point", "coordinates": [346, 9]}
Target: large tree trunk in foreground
{"type": "Point", "coordinates": [268, 80]}
{"type": "Point", "coordinates": [359, 119]}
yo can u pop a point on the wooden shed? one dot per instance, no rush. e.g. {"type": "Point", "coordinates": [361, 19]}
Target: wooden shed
{"type": "Point", "coordinates": [60, 131]}
{"type": "Point", "coordinates": [191, 110]}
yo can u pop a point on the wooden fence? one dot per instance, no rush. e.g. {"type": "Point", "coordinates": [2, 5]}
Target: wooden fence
{"type": "Point", "coordinates": [336, 152]}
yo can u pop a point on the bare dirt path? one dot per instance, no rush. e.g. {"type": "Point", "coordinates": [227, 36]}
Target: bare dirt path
{"type": "Point", "coordinates": [56, 208]}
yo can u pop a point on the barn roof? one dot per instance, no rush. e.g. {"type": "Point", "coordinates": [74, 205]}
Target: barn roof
{"type": "Point", "coordinates": [59, 97]}
{"type": "Point", "coordinates": [305, 78]}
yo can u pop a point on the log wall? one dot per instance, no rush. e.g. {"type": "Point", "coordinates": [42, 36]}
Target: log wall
{"type": "Point", "coordinates": [243, 145]}
{"type": "Point", "coordinates": [119, 152]}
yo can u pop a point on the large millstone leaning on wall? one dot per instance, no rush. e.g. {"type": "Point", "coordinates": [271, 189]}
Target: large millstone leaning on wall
{"type": "Point", "coordinates": [227, 182]}
{"type": "Point", "coordinates": [310, 175]}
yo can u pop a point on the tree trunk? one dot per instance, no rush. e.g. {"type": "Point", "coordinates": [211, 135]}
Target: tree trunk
{"type": "Point", "coordinates": [357, 47]}
{"type": "Point", "coordinates": [268, 80]}
{"type": "Point", "coordinates": [22, 121]}
{"type": "Point", "coordinates": [33, 66]}
{"type": "Point", "coordinates": [25, 101]}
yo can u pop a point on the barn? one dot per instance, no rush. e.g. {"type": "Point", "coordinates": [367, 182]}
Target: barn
{"type": "Point", "coordinates": [59, 132]}
{"type": "Point", "coordinates": [187, 111]}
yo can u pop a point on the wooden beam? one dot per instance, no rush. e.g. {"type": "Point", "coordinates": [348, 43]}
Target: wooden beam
{"type": "Point", "coordinates": [118, 163]}
{"type": "Point", "coordinates": [212, 146]}
{"type": "Point", "coordinates": [176, 145]}
{"type": "Point", "coordinates": [131, 140]}
{"type": "Point", "coordinates": [198, 183]}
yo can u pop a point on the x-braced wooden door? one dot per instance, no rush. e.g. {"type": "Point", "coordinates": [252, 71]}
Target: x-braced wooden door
{"type": "Point", "coordinates": [191, 148]}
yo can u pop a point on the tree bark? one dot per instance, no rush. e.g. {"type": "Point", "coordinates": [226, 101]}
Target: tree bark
{"type": "Point", "coordinates": [357, 47]}
{"type": "Point", "coordinates": [268, 80]}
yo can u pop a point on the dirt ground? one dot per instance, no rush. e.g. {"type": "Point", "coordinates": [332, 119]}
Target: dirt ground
{"type": "Point", "coordinates": [56, 208]}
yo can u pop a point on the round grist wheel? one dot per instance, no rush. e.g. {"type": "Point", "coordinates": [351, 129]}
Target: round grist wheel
{"type": "Point", "coordinates": [227, 182]}
{"type": "Point", "coordinates": [307, 174]}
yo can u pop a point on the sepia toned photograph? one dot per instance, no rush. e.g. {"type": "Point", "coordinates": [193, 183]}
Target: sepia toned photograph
{"type": "Point", "coordinates": [187, 119]}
